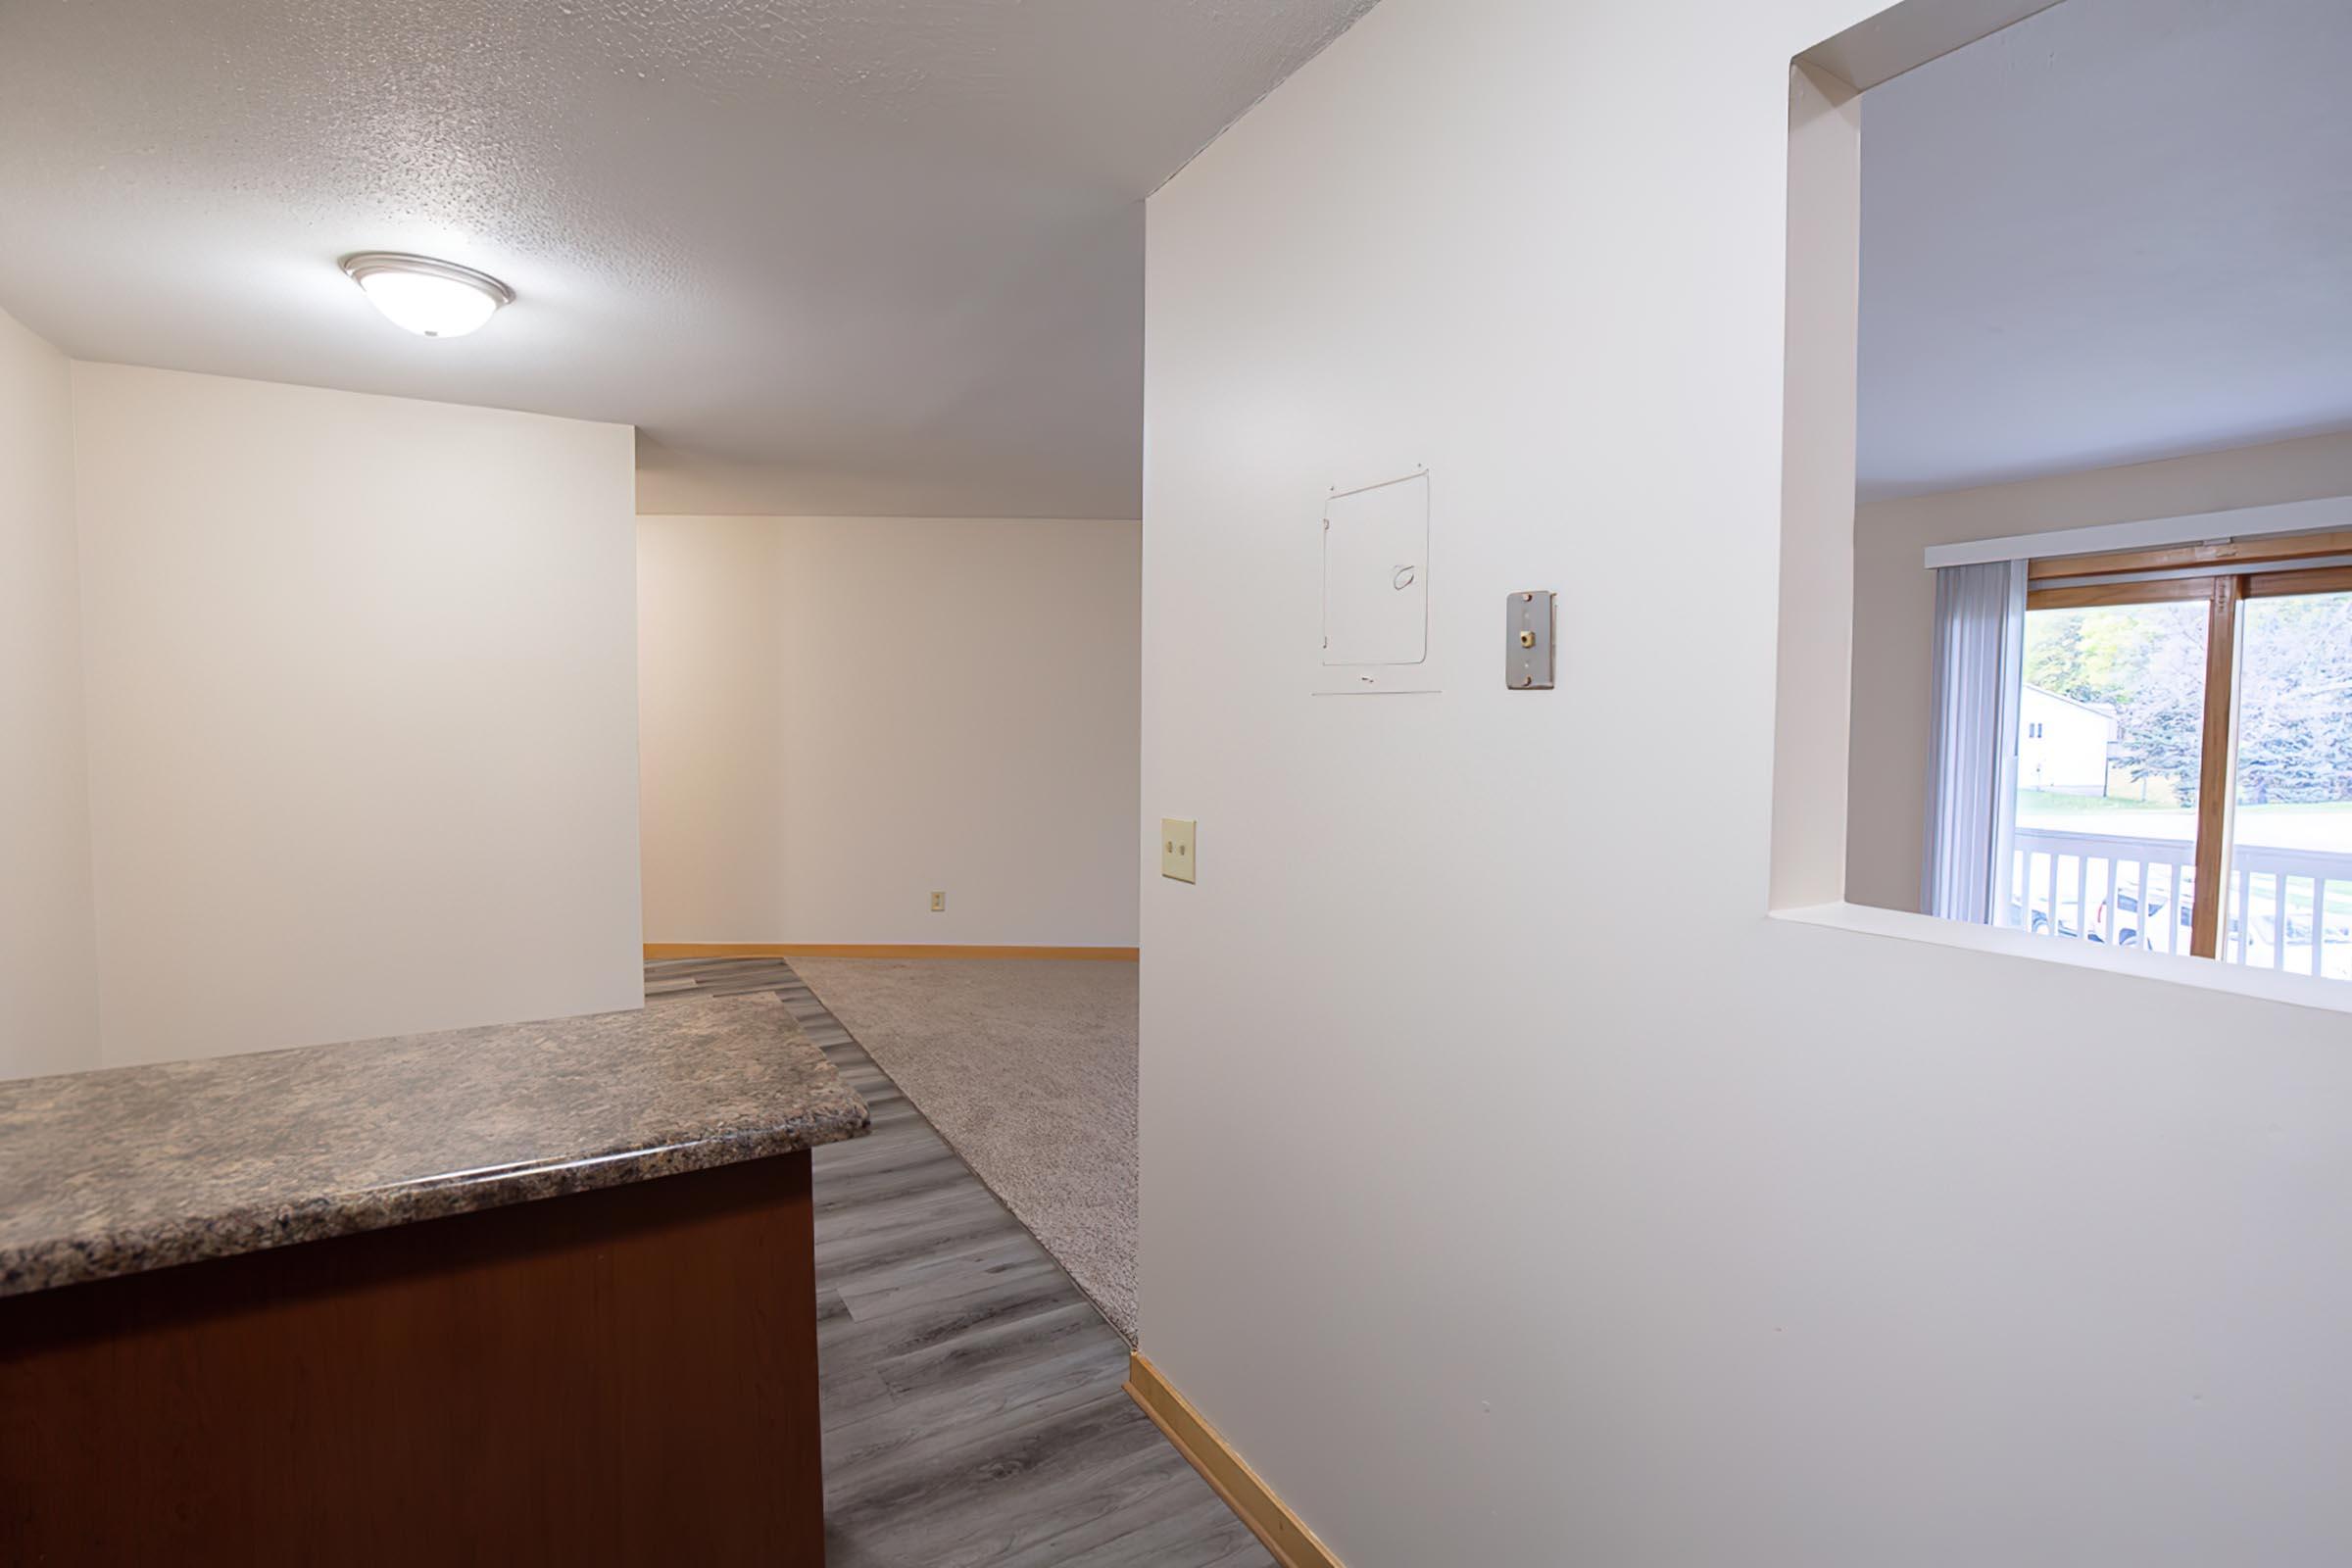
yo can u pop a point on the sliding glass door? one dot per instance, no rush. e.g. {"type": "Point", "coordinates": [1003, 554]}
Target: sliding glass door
{"type": "Point", "coordinates": [2290, 852]}
{"type": "Point", "coordinates": [2184, 724]}
{"type": "Point", "coordinates": [2109, 762]}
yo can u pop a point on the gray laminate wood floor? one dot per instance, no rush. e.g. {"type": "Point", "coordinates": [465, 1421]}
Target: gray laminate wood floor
{"type": "Point", "coordinates": [972, 1406]}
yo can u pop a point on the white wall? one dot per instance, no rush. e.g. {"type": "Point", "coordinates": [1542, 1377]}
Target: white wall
{"type": "Point", "coordinates": [1894, 610]}
{"type": "Point", "coordinates": [362, 712]}
{"type": "Point", "coordinates": [1516, 1191]}
{"type": "Point", "coordinates": [48, 960]}
{"type": "Point", "coordinates": [842, 714]}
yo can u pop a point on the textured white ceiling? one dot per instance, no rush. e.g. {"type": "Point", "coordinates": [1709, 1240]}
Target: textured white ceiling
{"type": "Point", "coordinates": [829, 256]}
{"type": "Point", "coordinates": [2118, 231]}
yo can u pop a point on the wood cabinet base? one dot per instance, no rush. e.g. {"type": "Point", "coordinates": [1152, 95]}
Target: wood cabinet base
{"type": "Point", "coordinates": [626, 1375]}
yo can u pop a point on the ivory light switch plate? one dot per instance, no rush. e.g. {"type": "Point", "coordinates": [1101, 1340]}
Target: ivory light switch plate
{"type": "Point", "coordinates": [939, 903]}
{"type": "Point", "coordinates": [1176, 850]}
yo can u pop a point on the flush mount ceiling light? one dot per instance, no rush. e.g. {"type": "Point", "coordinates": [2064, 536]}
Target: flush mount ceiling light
{"type": "Point", "coordinates": [434, 299]}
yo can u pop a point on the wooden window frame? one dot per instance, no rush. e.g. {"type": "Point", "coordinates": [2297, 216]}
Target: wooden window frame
{"type": "Point", "coordinates": [2231, 554]}
{"type": "Point", "coordinates": [2093, 596]}
{"type": "Point", "coordinates": [2257, 568]}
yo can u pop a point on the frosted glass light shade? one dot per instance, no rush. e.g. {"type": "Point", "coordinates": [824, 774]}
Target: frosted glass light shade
{"type": "Point", "coordinates": [430, 298]}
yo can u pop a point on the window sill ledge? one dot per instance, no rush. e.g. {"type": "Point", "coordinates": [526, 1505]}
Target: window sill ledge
{"type": "Point", "coordinates": [2199, 974]}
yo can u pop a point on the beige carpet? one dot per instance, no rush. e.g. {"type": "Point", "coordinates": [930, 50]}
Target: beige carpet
{"type": "Point", "coordinates": [1027, 1067]}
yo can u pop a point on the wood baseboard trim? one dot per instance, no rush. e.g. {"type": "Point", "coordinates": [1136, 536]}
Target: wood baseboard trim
{"type": "Point", "coordinates": [1291, 1542]}
{"type": "Point", "coordinates": [654, 950]}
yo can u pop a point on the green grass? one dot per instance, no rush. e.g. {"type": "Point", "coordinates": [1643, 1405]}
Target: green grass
{"type": "Point", "coordinates": [2050, 801]}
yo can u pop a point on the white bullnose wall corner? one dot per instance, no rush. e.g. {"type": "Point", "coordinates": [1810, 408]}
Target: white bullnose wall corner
{"type": "Point", "coordinates": [1810, 716]}
{"type": "Point", "coordinates": [363, 712]}
{"type": "Point", "coordinates": [843, 714]}
{"type": "Point", "coordinates": [48, 943]}
{"type": "Point", "coordinates": [1516, 1191]}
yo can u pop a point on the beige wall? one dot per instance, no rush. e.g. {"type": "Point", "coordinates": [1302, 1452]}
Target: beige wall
{"type": "Point", "coordinates": [48, 961]}
{"type": "Point", "coordinates": [1517, 1190]}
{"type": "Point", "coordinates": [843, 714]}
{"type": "Point", "coordinates": [363, 713]}
{"type": "Point", "coordinates": [1894, 610]}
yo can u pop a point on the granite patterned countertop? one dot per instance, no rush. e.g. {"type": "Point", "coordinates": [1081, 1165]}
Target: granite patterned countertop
{"type": "Point", "coordinates": [132, 1168]}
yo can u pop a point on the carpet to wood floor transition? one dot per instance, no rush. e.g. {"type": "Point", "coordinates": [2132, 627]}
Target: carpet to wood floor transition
{"type": "Point", "coordinates": [1027, 1067]}
{"type": "Point", "coordinates": [972, 1407]}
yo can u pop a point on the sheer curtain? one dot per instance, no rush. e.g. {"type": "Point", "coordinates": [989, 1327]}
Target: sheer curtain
{"type": "Point", "coordinates": [1972, 760]}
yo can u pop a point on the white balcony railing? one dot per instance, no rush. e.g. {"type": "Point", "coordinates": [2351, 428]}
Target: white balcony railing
{"type": "Point", "coordinates": [2288, 910]}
